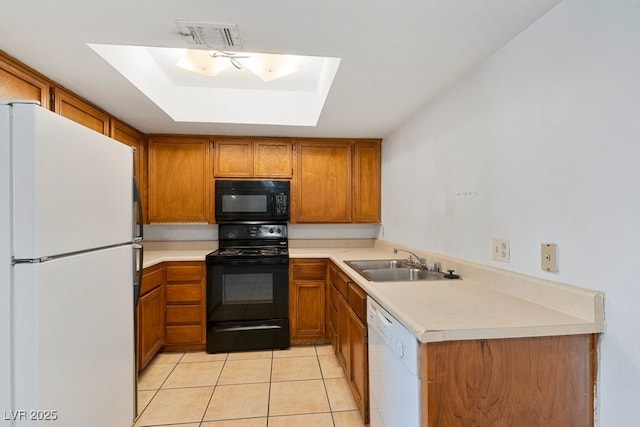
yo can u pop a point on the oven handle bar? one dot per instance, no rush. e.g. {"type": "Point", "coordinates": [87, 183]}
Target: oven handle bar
{"type": "Point", "coordinates": [249, 328]}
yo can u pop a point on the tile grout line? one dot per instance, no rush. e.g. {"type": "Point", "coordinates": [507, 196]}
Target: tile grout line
{"type": "Point", "coordinates": [324, 384]}
{"type": "Point", "coordinates": [204, 414]}
{"type": "Point", "coordinates": [158, 389]}
{"type": "Point", "coordinates": [269, 393]}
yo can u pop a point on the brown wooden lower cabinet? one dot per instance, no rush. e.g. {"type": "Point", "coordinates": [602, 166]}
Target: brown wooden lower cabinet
{"type": "Point", "coordinates": [307, 283]}
{"type": "Point", "coordinates": [185, 305]}
{"type": "Point", "coordinates": [342, 348]}
{"type": "Point", "coordinates": [347, 317]}
{"type": "Point", "coordinates": [150, 315]}
{"type": "Point", "coordinates": [539, 381]}
{"type": "Point", "coordinates": [359, 363]}
{"type": "Point", "coordinates": [171, 309]}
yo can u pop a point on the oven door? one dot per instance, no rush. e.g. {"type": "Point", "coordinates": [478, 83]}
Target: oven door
{"type": "Point", "coordinates": [245, 290]}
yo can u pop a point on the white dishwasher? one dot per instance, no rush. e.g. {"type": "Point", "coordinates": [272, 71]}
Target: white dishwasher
{"type": "Point", "coordinates": [394, 360]}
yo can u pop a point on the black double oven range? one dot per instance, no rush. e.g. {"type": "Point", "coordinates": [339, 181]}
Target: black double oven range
{"type": "Point", "coordinates": [248, 276]}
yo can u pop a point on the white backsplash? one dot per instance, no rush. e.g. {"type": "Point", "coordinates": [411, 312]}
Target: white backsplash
{"type": "Point", "coordinates": [185, 232]}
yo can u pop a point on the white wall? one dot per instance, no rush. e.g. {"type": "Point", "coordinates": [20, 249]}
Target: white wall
{"type": "Point", "coordinates": [541, 143]}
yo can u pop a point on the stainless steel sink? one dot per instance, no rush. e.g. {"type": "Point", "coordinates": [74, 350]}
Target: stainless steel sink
{"type": "Point", "coordinates": [391, 270]}
{"type": "Point", "coordinates": [376, 264]}
{"type": "Point", "coordinates": [401, 275]}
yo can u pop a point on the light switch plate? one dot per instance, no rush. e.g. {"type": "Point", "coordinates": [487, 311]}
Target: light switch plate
{"type": "Point", "coordinates": [549, 257]}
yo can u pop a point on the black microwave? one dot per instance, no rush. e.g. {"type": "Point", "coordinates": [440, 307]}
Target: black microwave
{"type": "Point", "coordinates": [244, 200]}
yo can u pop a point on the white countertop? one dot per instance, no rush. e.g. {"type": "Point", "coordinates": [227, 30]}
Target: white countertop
{"type": "Point", "coordinates": [458, 309]}
{"type": "Point", "coordinates": [153, 257]}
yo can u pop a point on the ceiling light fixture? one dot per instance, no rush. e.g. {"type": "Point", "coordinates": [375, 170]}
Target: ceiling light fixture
{"type": "Point", "coordinates": [200, 61]}
{"type": "Point", "coordinates": [231, 56]}
{"type": "Point", "coordinates": [270, 67]}
{"type": "Point", "coordinates": [211, 63]}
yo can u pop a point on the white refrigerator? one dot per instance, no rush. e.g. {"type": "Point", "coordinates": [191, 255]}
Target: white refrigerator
{"type": "Point", "coordinates": [68, 273]}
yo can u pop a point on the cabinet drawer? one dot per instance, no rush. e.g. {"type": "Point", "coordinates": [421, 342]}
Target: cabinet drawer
{"type": "Point", "coordinates": [339, 281]}
{"type": "Point", "coordinates": [151, 279]}
{"type": "Point", "coordinates": [183, 334]}
{"type": "Point", "coordinates": [333, 298]}
{"type": "Point", "coordinates": [184, 294]}
{"type": "Point", "coordinates": [358, 301]}
{"type": "Point", "coordinates": [184, 314]}
{"type": "Point", "coordinates": [309, 270]}
{"type": "Point", "coordinates": [333, 317]}
{"type": "Point", "coordinates": [184, 273]}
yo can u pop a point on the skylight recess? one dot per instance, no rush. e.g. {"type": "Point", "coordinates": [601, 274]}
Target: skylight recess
{"type": "Point", "coordinates": [232, 95]}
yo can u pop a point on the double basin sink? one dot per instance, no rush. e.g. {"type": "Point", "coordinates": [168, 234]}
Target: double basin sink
{"type": "Point", "coordinates": [392, 270]}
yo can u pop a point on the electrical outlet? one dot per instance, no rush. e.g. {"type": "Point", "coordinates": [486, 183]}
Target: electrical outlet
{"type": "Point", "coordinates": [500, 250]}
{"type": "Point", "coordinates": [549, 257]}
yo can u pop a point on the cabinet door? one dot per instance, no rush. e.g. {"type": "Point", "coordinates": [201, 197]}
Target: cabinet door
{"type": "Point", "coordinates": [528, 381]}
{"type": "Point", "coordinates": [20, 82]}
{"type": "Point", "coordinates": [332, 316]}
{"type": "Point", "coordinates": [179, 179]}
{"type": "Point", "coordinates": [233, 158]}
{"type": "Point", "coordinates": [272, 159]}
{"type": "Point", "coordinates": [149, 311]}
{"type": "Point", "coordinates": [359, 364]}
{"type": "Point", "coordinates": [322, 183]}
{"type": "Point", "coordinates": [150, 325]}
{"type": "Point", "coordinates": [131, 137]}
{"type": "Point", "coordinates": [366, 182]}
{"type": "Point", "coordinates": [70, 106]}
{"type": "Point", "coordinates": [307, 301]}
{"type": "Point", "coordinates": [343, 335]}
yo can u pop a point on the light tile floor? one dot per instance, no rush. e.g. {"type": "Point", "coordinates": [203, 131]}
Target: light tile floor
{"type": "Point", "coordinates": [298, 387]}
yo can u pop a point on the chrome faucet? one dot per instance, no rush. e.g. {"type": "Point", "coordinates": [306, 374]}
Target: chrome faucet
{"type": "Point", "coordinates": [422, 262]}
{"type": "Point", "coordinates": [435, 267]}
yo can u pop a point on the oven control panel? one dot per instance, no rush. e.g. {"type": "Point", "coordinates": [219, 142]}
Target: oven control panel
{"type": "Point", "coordinates": [252, 231]}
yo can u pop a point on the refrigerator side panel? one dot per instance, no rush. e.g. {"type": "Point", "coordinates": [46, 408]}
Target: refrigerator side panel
{"type": "Point", "coordinates": [72, 186]}
{"type": "Point", "coordinates": [5, 261]}
{"type": "Point", "coordinates": [74, 346]}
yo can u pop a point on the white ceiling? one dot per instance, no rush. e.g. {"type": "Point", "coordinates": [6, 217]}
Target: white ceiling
{"type": "Point", "coordinates": [396, 55]}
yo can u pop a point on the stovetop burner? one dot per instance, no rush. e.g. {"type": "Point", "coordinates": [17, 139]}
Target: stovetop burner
{"type": "Point", "coordinates": [265, 251]}
{"type": "Point", "coordinates": [251, 240]}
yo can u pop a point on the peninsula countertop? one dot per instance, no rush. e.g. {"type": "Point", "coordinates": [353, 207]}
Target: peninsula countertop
{"type": "Point", "coordinates": [482, 307]}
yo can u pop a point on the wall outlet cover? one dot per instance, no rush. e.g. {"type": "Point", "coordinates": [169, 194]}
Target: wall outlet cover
{"type": "Point", "coordinates": [501, 250]}
{"type": "Point", "coordinates": [549, 257]}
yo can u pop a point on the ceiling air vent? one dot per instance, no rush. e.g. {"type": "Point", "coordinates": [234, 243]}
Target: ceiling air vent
{"type": "Point", "coordinates": [208, 35]}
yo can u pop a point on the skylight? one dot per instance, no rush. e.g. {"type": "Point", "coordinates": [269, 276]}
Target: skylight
{"type": "Point", "coordinates": [256, 92]}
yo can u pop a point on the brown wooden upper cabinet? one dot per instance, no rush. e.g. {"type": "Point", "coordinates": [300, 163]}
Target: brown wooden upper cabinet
{"type": "Point", "coordinates": [70, 106]}
{"type": "Point", "coordinates": [366, 181]}
{"type": "Point", "coordinates": [18, 81]}
{"type": "Point", "coordinates": [179, 179]}
{"type": "Point", "coordinates": [336, 181]}
{"type": "Point", "coordinates": [127, 135]}
{"type": "Point", "coordinates": [242, 158]}
{"type": "Point", "coordinates": [322, 185]}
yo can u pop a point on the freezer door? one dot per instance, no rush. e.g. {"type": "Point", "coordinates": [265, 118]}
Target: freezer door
{"type": "Point", "coordinates": [72, 186]}
{"type": "Point", "coordinates": [74, 338]}
{"type": "Point", "coordinates": [5, 256]}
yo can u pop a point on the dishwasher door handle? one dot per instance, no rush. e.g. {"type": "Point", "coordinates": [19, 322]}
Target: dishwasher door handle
{"type": "Point", "coordinates": [384, 319]}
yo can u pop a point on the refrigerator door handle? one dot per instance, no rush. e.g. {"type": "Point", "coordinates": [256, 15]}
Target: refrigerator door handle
{"type": "Point", "coordinates": [137, 225]}
{"type": "Point", "coordinates": [138, 257]}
